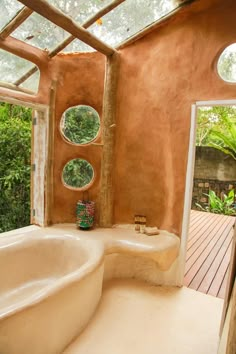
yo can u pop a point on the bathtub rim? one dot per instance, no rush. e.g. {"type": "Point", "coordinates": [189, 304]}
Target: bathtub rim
{"type": "Point", "coordinates": [95, 260]}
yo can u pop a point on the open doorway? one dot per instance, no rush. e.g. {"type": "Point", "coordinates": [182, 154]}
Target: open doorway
{"type": "Point", "coordinates": [23, 164]}
{"type": "Point", "coordinates": [210, 195]}
{"type": "Point", "coordinates": [15, 166]}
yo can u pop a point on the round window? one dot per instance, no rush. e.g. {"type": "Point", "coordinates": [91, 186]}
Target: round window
{"type": "Point", "coordinates": [80, 124]}
{"type": "Point", "coordinates": [226, 65]}
{"type": "Point", "coordinates": [77, 173]}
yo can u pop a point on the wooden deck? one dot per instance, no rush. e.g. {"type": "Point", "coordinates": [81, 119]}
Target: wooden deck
{"type": "Point", "coordinates": [208, 252]}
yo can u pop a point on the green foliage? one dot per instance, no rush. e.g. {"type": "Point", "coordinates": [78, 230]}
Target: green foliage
{"type": "Point", "coordinates": [80, 124]}
{"type": "Point", "coordinates": [224, 139]}
{"type": "Point", "coordinates": [217, 128]}
{"type": "Point", "coordinates": [15, 146]}
{"type": "Point", "coordinates": [218, 205]}
{"type": "Point", "coordinates": [77, 173]}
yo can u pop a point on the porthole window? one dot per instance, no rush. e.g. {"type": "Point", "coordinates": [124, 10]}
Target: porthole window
{"type": "Point", "coordinates": [80, 124]}
{"type": "Point", "coordinates": [77, 173]}
{"type": "Point", "coordinates": [226, 65]}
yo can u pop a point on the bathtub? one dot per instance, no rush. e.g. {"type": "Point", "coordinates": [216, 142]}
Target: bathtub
{"type": "Point", "coordinates": [50, 287]}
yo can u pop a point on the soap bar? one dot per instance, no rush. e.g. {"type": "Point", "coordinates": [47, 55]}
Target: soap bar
{"type": "Point", "coordinates": [151, 231]}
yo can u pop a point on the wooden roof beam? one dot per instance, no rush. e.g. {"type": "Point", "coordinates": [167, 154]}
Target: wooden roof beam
{"type": "Point", "coordinates": [15, 88]}
{"type": "Point", "coordinates": [86, 24]}
{"type": "Point", "coordinates": [43, 8]}
{"type": "Point", "coordinates": [24, 50]}
{"type": "Point", "coordinates": [71, 38]}
{"type": "Point", "coordinates": [20, 17]}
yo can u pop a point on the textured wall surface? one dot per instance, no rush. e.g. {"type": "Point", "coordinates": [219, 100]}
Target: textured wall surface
{"type": "Point", "coordinates": [80, 81]}
{"type": "Point", "coordinates": [161, 76]}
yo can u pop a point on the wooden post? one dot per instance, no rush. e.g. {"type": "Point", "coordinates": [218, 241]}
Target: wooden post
{"type": "Point", "coordinates": [109, 120]}
{"type": "Point", "coordinates": [50, 156]}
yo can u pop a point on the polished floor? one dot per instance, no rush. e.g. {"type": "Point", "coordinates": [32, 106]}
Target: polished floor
{"type": "Point", "coordinates": [208, 252]}
{"type": "Point", "coordinates": [136, 318]}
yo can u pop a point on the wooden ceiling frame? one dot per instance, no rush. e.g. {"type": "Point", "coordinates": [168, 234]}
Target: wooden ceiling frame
{"type": "Point", "coordinates": [71, 38]}
{"type": "Point", "coordinates": [40, 8]}
{"type": "Point", "coordinates": [15, 22]}
{"type": "Point", "coordinates": [51, 13]}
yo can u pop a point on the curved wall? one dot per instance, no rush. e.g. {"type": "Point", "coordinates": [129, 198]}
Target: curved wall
{"type": "Point", "coordinates": [161, 75]}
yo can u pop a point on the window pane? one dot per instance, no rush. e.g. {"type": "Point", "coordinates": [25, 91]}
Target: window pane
{"type": "Point", "coordinates": [12, 67]}
{"type": "Point", "coordinates": [39, 32]}
{"type": "Point", "coordinates": [32, 83]}
{"type": "Point", "coordinates": [78, 46]}
{"type": "Point", "coordinates": [80, 124]}
{"type": "Point", "coordinates": [227, 64]}
{"type": "Point", "coordinates": [79, 10]}
{"type": "Point", "coordinates": [129, 18]}
{"type": "Point", "coordinates": [8, 10]}
{"type": "Point", "coordinates": [77, 173]}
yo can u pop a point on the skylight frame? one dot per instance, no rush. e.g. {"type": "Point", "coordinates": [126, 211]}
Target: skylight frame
{"type": "Point", "coordinates": [112, 5]}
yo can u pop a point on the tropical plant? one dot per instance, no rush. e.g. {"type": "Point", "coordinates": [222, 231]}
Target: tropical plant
{"type": "Point", "coordinates": [218, 205]}
{"type": "Point", "coordinates": [15, 146]}
{"type": "Point", "coordinates": [80, 124]}
{"type": "Point", "coordinates": [224, 140]}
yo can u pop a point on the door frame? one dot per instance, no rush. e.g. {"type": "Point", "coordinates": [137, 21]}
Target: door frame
{"type": "Point", "coordinates": [190, 176]}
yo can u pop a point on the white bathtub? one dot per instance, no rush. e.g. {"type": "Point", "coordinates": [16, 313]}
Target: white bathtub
{"type": "Point", "coordinates": [50, 287]}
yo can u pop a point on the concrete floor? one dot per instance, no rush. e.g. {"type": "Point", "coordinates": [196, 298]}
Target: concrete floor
{"type": "Point", "coordinates": [136, 318]}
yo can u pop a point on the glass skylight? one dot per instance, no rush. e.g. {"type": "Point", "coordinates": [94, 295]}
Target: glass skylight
{"type": "Point", "coordinates": [32, 83]}
{"type": "Point", "coordinates": [129, 18]}
{"type": "Point", "coordinates": [39, 32]}
{"type": "Point", "coordinates": [12, 67]}
{"type": "Point", "coordinates": [8, 10]}
{"type": "Point", "coordinates": [78, 46]}
{"type": "Point", "coordinates": [79, 10]}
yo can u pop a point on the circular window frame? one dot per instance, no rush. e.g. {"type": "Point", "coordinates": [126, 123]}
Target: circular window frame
{"type": "Point", "coordinates": [220, 52]}
{"type": "Point", "coordinates": [79, 189]}
{"type": "Point", "coordinates": [68, 141]}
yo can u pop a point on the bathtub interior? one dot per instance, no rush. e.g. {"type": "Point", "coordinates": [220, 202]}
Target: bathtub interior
{"type": "Point", "coordinates": [29, 266]}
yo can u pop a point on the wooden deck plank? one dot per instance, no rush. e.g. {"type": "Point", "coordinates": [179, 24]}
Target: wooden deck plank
{"type": "Point", "coordinates": [202, 234]}
{"type": "Point", "coordinates": [208, 252]}
{"type": "Point", "coordinates": [200, 224]}
{"type": "Point", "coordinates": [204, 278]}
{"type": "Point", "coordinates": [206, 246]}
{"type": "Point", "coordinates": [215, 286]}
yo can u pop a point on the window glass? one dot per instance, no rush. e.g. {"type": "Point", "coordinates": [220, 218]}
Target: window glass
{"type": "Point", "coordinates": [80, 124]}
{"type": "Point", "coordinates": [129, 18]}
{"type": "Point", "coordinates": [226, 65]}
{"type": "Point", "coordinates": [13, 68]}
{"type": "Point", "coordinates": [77, 173]}
{"type": "Point", "coordinates": [8, 10]}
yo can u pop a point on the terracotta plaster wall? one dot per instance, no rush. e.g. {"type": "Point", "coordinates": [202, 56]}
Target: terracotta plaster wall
{"type": "Point", "coordinates": [80, 80]}
{"type": "Point", "coordinates": [161, 75]}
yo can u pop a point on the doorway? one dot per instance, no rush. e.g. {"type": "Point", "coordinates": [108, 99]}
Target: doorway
{"type": "Point", "coordinates": [197, 262]}
{"type": "Point", "coordinates": [24, 154]}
